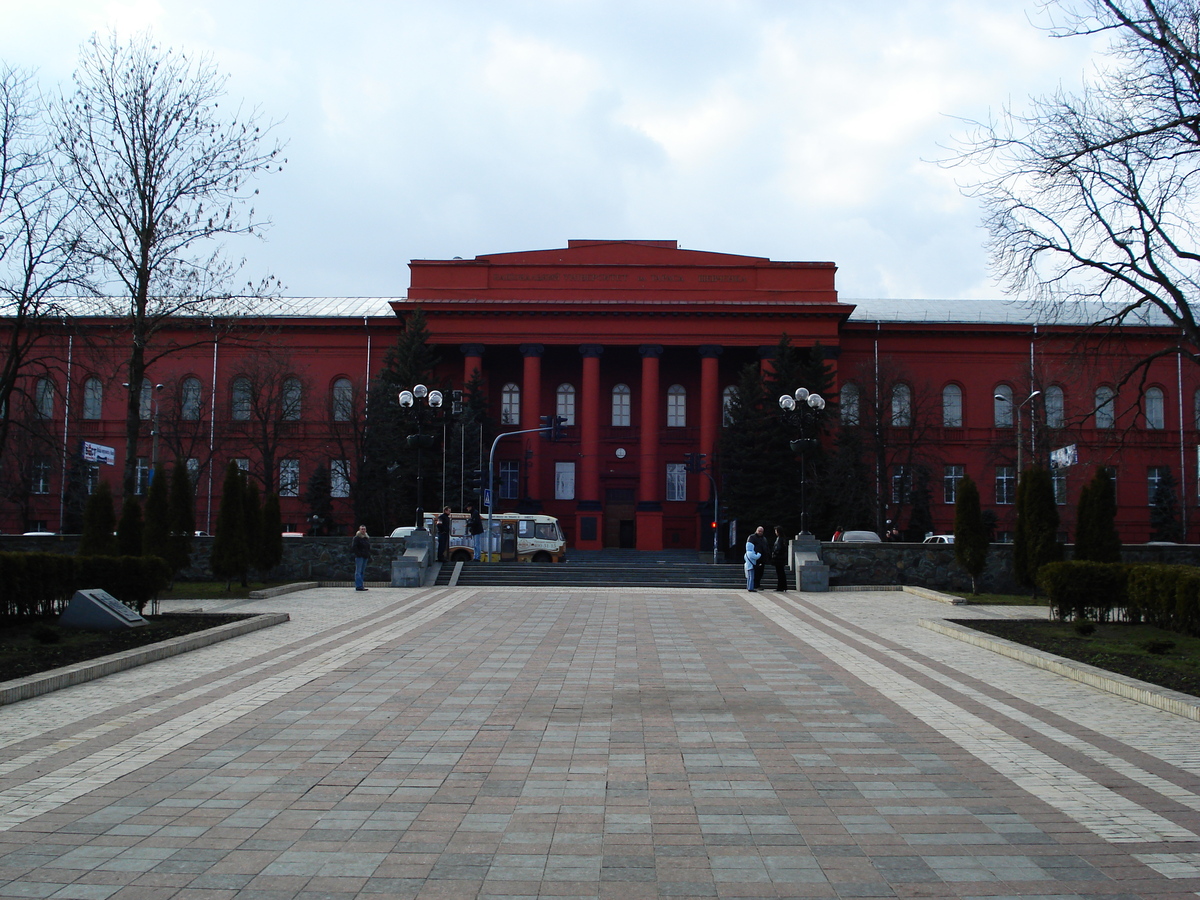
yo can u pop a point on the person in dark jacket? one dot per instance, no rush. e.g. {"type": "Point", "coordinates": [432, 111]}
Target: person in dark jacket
{"type": "Point", "coordinates": [475, 529]}
{"type": "Point", "coordinates": [361, 545]}
{"type": "Point", "coordinates": [759, 539]}
{"type": "Point", "coordinates": [443, 534]}
{"type": "Point", "coordinates": [779, 551]}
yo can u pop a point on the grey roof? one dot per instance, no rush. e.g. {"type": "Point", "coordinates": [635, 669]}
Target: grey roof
{"type": "Point", "coordinates": [270, 307]}
{"type": "Point", "coordinates": [1002, 312]}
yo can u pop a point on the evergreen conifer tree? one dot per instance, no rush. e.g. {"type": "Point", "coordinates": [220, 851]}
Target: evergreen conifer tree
{"type": "Point", "coordinates": [229, 557]}
{"type": "Point", "coordinates": [252, 525]}
{"type": "Point", "coordinates": [319, 499]}
{"type": "Point", "coordinates": [182, 512]}
{"type": "Point", "coordinates": [1036, 538]}
{"type": "Point", "coordinates": [270, 544]}
{"type": "Point", "coordinates": [129, 528]}
{"type": "Point", "coordinates": [99, 523]}
{"type": "Point", "coordinates": [156, 533]}
{"type": "Point", "coordinates": [1096, 535]}
{"type": "Point", "coordinates": [971, 537]}
{"type": "Point", "coordinates": [1164, 510]}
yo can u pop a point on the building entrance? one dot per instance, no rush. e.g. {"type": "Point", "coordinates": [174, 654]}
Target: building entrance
{"type": "Point", "coordinates": [620, 518]}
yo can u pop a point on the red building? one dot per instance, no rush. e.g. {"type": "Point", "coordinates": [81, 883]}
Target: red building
{"type": "Point", "coordinates": [637, 344]}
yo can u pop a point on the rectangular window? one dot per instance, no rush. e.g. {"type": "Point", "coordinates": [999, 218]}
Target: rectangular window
{"type": "Point", "coordinates": [510, 479]}
{"type": "Point", "coordinates": [339, 478]}
{"type": "Point", "coordinates": [564, 481]}
{"type": "Point", "coordinates": [289, 478]}
{"type": "Point", "coordinates": [900, 484]}
{"type": "Point", "coordinates": [1059, 478]}
{"type": "Point", "coordinates": [142, 476]}
{"type": "Point", "coordinates": [676, 481]}
{"type": "Point", "coordinates": [242, 463]}
{"type": "Point", "coordinates": [39, 480]}
{"type": "Point", "coordinates": [1006, 485]}
{"type": "Point", "coordinates": [193, 470]}
{"type": "Point", "coordinates": [91, 476]}
{"type": "Point", "coordinates": [1156, 477]}
{"type": "Point", "coordinates": [951, 477]}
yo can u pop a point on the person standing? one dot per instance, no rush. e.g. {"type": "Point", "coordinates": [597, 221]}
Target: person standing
{"type": "Point", "coordinates": [779, 551]}
{"type": "Point", "coordinates": [443, 534]}
{"type": "Point", "coordinates": [763, 549]}
{"type": "Point", "coordinates": [475, 529]}
{"type": "Point", "coordinates": [751, 560]}
{"type": "Point", "coordinates": [361, 546]}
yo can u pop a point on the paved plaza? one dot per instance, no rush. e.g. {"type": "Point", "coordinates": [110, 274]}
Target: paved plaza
{"type": "Point", "coordinates": [615, 743]}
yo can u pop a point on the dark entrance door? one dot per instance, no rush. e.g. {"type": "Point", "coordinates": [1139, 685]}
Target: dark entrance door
{"type": "Point", "coordinates": [620, 523]}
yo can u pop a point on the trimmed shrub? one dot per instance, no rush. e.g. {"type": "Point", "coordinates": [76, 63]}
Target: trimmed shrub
{"type": "Point", "coordinates": [1084, 590]}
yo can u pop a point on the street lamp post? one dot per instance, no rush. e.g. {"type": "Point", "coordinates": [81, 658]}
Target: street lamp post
{"type": "Point", "coordinates": [807, 403]}
{"type": "Point", "coordinates": [418, 399]}
{"type": "Point", "coordinates": [1020, 406]}
{"type": "Point", "coordinates": [153, 429]}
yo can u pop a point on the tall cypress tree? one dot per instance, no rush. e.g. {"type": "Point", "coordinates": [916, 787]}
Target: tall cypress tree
{"type": "Point", "coordinates": [252, 517]}
{"type": "Point", "coordinates": [1096, 535]}
{"type": "Point", "coordinates": [130, 528]}
{"type": "Point", "coordinates": [156, 535]}
{"type": "Point", "coordinates": [1036, 538]}
{"type": "Point", "coordinates": [229, 558]}
{"type": "Point", "coordinates": [182, 517]}
{"type": "Point", "coordinates": [270, 544]}
{"type": "Point", "coordinates": [99, 523]}
{"type": "Point", "coordinates": [971, 538]}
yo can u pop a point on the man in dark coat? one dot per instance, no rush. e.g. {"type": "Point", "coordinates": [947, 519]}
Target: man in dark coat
{"type": "Point", "coordinates": [779, 550]}
{"type": "Point", "coordinates": [443, 534]}
{"type": "Point", "coordinates": [361, 547]}
{"type": "Point", "coordinates": [759, 539]}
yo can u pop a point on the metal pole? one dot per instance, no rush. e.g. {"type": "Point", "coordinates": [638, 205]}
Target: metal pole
{"type": "Point", "coordinates": [491, 476]}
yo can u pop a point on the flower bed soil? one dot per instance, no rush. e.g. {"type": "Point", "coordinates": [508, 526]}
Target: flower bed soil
{"type": "Point", "coordinates": [31, 646]}
{"type": "Point", "coordinates": [1113, 647]}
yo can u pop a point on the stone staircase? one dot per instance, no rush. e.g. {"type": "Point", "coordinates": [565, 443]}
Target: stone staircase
{"type": "Point", "coordinates": [603, 568]}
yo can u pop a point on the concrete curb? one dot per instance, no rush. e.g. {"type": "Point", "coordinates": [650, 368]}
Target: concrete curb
{"type": "Point", "coordinates": [279, 589]}
{"type": "Point", "coordinates": [1121, 685]}
{"type": "Point", "coordinates": [45, 682]}
{"type": "Point", "coordinates": [925, 593]}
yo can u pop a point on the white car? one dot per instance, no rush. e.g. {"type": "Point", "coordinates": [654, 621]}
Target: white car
{"type": "Point", "coordinates": [404, 531]}
{"type": "Point", "coordinates": [860, 537]}
{"type": "Point", "coordinates": [939, 539]}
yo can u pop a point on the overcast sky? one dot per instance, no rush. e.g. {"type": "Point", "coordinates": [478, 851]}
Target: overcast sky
{"type": "Point", "coordinates": [430, 129]}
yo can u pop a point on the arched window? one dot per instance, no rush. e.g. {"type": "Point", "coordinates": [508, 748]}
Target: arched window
{"type": "Point", "coordinates": [510, 404]}
{"type": "Point", "coordinates": [620, 406]}
{"type": "Point", "coordinates": [729, 397]}
{"type": "Point", "coordinates": [1106, 402]}
{"type": "Point", "coordinates": [1055, 407]}
{"type": "Point", "coordinates": [564, 403]}
{"type": "Point", "coordinates": [44, 398]}
{"type": "Point", "coordinates": [144, 400]}
{"type": "Point", "coordinates": [849, 404]}
{"type": "Point", "coordinates": [902, 406]}
{"type": "Point", "coordinates": [1196, 410]}
{"type": "Point", "coordinates": [190, 394]}
{"type": "Point", "coordinates": [1155, 416]}
{"type": "Point", "coordinates": [676, 406]}
{"type": "Point", "coordinates": [343, 400]}
{"type": "Point", "coordinates": [1002, 406]}
{"type": "Point", "coordinates": [93, 398]}
{"type": "Point", "coordinates": [289, 407]}
{"type": "Point", "coordinates": [240, 389]}
{"type": "Point", "coordinates": [952, 416]}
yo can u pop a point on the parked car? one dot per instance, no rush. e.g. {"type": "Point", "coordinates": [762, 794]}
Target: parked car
{"type": "Point", "coordinates": [939, 539]}
{"type": "Point", "coordinates": [404, 531]}
{"type": "Point", "coordinates": [860, 537]}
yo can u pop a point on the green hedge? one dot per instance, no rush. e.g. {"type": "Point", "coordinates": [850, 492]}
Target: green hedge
{"type": "Point", "coordinates": [1084, 590]}
{"type": "Point", "coordinates": [41, 584]}
{"type": "Point", "coordinates": [1162, 595]}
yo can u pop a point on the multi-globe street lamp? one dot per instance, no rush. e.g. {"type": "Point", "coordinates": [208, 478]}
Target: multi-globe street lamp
{"type": "Point", "coordinates": [419, 399]}
{"type": "Point", "coordinates": [806, 404]}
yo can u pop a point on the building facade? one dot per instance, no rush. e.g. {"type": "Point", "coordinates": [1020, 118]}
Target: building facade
{"type": "Point", "coordinates": [637, 345]}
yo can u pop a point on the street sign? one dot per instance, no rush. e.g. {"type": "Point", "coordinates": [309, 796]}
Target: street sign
{"type": "Point", "coordinates": [487, 498]}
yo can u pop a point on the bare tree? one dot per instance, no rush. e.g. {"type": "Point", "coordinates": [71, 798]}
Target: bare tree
{"type": "Point", "coordinates": [1092, 195]}
{"type": "Point", "coordinates": [268, 391]}
{"type": "Point", "coordinates": [160, 173]}
{"type": "Point", "coordinates": [39, 249]}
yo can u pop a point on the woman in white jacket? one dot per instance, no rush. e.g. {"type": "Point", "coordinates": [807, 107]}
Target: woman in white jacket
{"type": "Point", "coordinates": [752, 557]}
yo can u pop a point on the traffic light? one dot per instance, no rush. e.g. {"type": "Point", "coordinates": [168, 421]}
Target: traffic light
{"type": "Point", "coordinates": [694, 462]}
{"type": "Point", "coordinates": [556, 433]}
{"type": "Point", "coordinates": [475, 481]}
